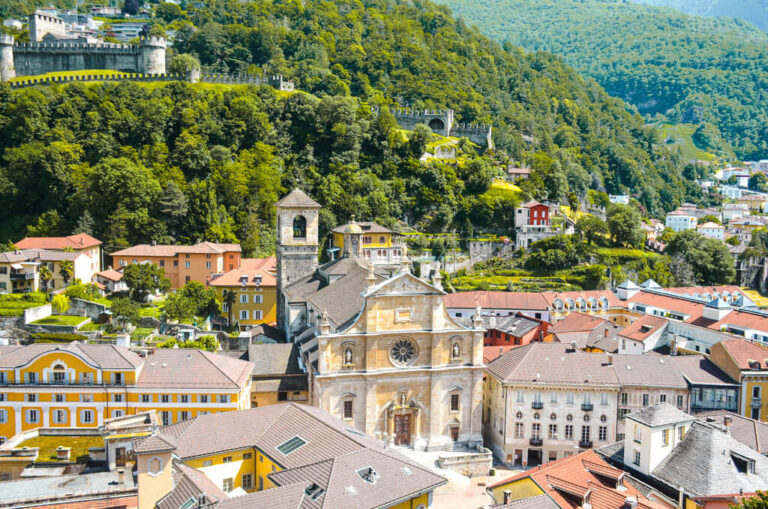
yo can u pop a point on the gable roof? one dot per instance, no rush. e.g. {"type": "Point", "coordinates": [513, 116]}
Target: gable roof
{"type": "Point", "coordinates": [577, 322]}
{"type": "Point", "coordinates": [162, 250]}
{"type": "Point", "coordinates": [103, 356]}
{"type": "Point", "coordinates": [648, 371]}
{"type": "Point", "coordinates": [497, 300]}
{"type": "Point", "coordinates": [569, 479]}
{"type": "Point", "coordinates": [77, 241]}
{"type": "Point", "coordinates": [187, 367]}
{"type": "Point", "coordinates": [251, 270]}
{"type": "Point", "coordinates": [189, 483]}
{"type": "Point", "coordinates": [699, 370]}
{"type": "Point", "coordinates": [274, 359]}
{"type": "Point", "coordinates": [297, 199]}
{"type": "Point", "coordinates": [110, 274]}
{"type": "Point", "coordinates": [643, 328]}
{"type": "Point", "coordinates": [743, 351]}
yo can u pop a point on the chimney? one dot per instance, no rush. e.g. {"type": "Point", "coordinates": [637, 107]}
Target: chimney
{"type": "Point", "coordinates": [507, 496]}
{"type": "Point", "coordinates": [606, 331]}
{"type": "Point", "coordinates": [573, 346]}
{"type": "Point", "coordinates": [610, 359]}
{"type": "Point", "coordinates": [727, 420]}
{"type": "Point", "coordinates": [121, 476]}
{"type": "Point", "coordinates": [501, 350]}
{"type": "Point", "coordinates": [630, 503]}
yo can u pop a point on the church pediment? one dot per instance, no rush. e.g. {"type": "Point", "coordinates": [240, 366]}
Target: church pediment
{"type": "Point", "coordinates": [403, 284]}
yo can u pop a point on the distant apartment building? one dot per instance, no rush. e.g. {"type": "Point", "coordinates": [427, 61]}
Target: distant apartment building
{"type": "Point", "coordinates": [755, 202]}
{"type": "Point", "coordinates": [532, 223]}
{"type": "Point", "coordinates": [680, 220]}
{"type": "Point", "coordinates": [81, 385]}
{"type": "Point", "coordinates": [80, 243]}
{"type": "Point", "coordinates": [20, 270]}
{"type": "Point", "coordinates": [622, 199]}
{"type": "Point", "coordinates": [183, 264]}
{"type": "Point", "coordinates": [711, 230]}
{"type": "Point", "coordinates": [254, 292]}
{"type": "Point", "coordinates": [733, 211]}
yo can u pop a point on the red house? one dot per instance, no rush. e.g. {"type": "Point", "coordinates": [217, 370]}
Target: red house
{"type": "Point", "coordinates": [532, 213]}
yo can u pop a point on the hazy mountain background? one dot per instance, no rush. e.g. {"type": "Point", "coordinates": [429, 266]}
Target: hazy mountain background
{"type": "Point", "coordinates": [753, 11]}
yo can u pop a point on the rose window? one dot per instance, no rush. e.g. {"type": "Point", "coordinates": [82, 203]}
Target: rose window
{"type": "Point", "coordinates": [403, 351]}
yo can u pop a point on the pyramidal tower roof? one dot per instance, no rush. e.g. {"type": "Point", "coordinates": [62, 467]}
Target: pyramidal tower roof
{"type": "Point", "coordinates": [297, 199]}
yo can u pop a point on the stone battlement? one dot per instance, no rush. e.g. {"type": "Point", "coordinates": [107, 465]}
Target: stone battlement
{"type": "Point", "coordinates": [6, 40]}
{"type": "Point", "coordinates": [75, 47]}
{"type": "Point", "coordinates": [410, 112]}
{"type": "Point", "coordinates": [460, 128]}
{"type": "Point", "coordinates": [47, 17]}
{"type": "Point", "coordinates": [157, 42]}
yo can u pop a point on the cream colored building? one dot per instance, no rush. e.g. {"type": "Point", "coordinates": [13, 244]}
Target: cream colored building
{"type": "Point", "coordinates": [403, 370]}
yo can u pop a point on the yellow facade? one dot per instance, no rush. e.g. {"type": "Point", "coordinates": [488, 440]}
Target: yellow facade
{"type": "Point", "coordinates": [261, 399]}
{"type": "Point", "coordinates": [370, 240]}
{"type": "Point", "coordinates": [62, 389]}
{"type": "Point", "coordinates": [522, 488]}
{"type": "Point", "coordinates": [756, 397]}
{"type": "Point", "coordinates": [413, 503]}
{"type": "Point", "coordinates": [259, 302]}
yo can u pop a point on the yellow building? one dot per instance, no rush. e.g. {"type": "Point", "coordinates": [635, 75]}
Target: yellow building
{"type": "Point", "coordinates": [284, 456]}
{"type": "Point", "coordinates": [80, 386]}
{"type": "Point", "coordinates": [747, 364]}
{"type": "Point", "coordinates": [254, 288]}
{"type": "Point", "coordinates": [380, 245]}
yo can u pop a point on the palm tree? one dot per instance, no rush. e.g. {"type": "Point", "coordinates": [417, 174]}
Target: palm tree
{"type": "Point", "coordinates": [67, 270]}
{"type": "Point", "coordinates": [229, 299]}
{"type": "Point", "coordinates": [45, 276]}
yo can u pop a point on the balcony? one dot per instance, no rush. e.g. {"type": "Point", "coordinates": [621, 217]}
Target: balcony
{"type": "Point", "coordinates": [585, 444]}
{"type": "Point", "coordinates": [22, 276]}
{"type": "Point", "coordinates": [537, 405]}
{"type": "Point", "coordinates": [757, 402]}
{"type": "Point", "coordinates": [587, 407]}
{"type": "Point", "coordinates": [536, 442]}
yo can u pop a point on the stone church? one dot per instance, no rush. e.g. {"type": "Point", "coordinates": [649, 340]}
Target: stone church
{"type": "Point", "coordinates": [380, 349]}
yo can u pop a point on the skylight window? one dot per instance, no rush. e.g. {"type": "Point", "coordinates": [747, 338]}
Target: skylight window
{"type": "Point", "coordinates": [368, 474]}
{"type": "Point", "coordinates": [291, 445]}
{"type": "Point", "coordinates": [406, 470]}
{"type": "Point", "coordinates": [314, 491]}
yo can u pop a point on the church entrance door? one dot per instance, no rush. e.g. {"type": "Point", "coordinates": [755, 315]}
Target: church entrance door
{"type": "Point", "coordinates": [403, 429]}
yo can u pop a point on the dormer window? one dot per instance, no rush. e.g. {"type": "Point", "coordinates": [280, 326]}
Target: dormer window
{"type": "Point", "coordinates": [314, 491]}
{"type": "Point", "coordinates": [743, 464]}
{"type": "Point", "coordinates": [753, 364]}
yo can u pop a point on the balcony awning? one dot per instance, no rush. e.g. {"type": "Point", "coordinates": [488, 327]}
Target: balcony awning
{"type": "Point", "coordinates": [17, 266]}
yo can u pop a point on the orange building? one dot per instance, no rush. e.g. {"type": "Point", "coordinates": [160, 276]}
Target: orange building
{"type": "Point", "coordinates": [255, 292]}
{"type": "Point", "coordinates": [183, 264]}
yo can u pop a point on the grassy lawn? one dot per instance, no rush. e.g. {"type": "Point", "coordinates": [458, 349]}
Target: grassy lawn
{"type": "Point", "coordinates": [90, 327]}
{"type": "Point", "coordinates": [14, 304]}
{"type": "Point", "coordinates": [681, 134]}
{"type": "Point", "coordinates": [142, 332]}
{"type": "Point", "coordinates": [60, 320]}
{"type": "Point", "coordinates": [150, 311]}
{"type": "Point", "coordinates": [503, 189]}
{"type": "Point", "coordinates": [48, 444]}
{"type": "Point", "coordinates": [90, 72]}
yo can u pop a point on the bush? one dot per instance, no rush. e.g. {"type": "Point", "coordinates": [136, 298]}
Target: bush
{"type": "Point", "coordinates": [57, 337]}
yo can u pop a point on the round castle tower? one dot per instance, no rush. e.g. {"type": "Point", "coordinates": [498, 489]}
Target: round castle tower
{"type": "Point", "coordinates": [7, 68]}
{"type": "Point", "coordinates": [153, 55]}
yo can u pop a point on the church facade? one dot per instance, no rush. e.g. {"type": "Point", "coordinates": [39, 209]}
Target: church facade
{"type": "Point", "coordinates": [380, 349]}
{"type": "Point", "coordinates": [404, 371]}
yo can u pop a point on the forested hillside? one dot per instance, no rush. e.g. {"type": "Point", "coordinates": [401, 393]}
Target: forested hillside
{"type": "Point", "coordinates": [137, 163]}
{"type": "Point", "coordinates": [753, 11]}
{"type": "Point", "coordinates": [692, 69]}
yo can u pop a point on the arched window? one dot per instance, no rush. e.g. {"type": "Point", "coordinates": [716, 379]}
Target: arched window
{"type": "Point", "coordinates": [59, 374]}
{"type": "Point", "coordinates": [381, 240]}
{"type": "Point", "coordinates": [756, 392]}
{"type": "Point", "coordinates": [299, 227]}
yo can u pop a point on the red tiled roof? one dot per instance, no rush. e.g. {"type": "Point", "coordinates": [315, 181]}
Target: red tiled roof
{"type": "Point", "coordinates": [77, 241]}
{"type": "Point", "coordinates": [492, 352]}
{"type": "Point", "coordinates": [249, 269]}
{"type": "Point", "coordinates": [642, 328]}
{"type": "Point", "coordinates": [497, 300]}
{"type": "Point", "coordinates": [743, 351]}
{"type": "Point", "coordinates": [577, 322]}
{"type": "Point", "coordinates": [519, 171]}
{"type": "Point", "coordinates": [173, 250]}
{"type": "Point", "coordinates": [110, 274]}
{"type": "Point", "coordinates": [577, 475]}
{"type": "Point", "coordinates": [613, 300]}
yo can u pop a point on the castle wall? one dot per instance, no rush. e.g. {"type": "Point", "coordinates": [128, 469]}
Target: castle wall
{"type": "Point", "coordinates": [33, 59]}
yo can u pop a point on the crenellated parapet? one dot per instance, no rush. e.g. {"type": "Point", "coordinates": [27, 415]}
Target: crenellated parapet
{"type": "Point", "coordinates": [442, 122]}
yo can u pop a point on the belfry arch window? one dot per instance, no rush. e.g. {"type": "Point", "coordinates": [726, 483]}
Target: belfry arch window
{"type": "Point", "coordinates": [299, 227]}
{"type": "Point", "coordinates": [59, 374]}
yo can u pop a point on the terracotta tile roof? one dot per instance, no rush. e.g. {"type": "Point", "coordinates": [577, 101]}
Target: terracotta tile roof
{"type": "Point", "coordinates": [77, 241]}
{"type": "Point", "coordinates": [710, 224]}
{"type": "Point", "coordinates": [182, 368]}
{"type": "Point", "coordinates": [519, 171]}
{"type": "Point", "coordinates": [50, 255]}
{"type": "Point", "coordinates": [553, 363]}
{"type": "Point", "coordinates": [497, 300]}
{"type": "Point", "coordinates": [110, 274]}
{"type": "Point", "coordinates": [642, 328]}
{"type": "Point", "coordinates": [577, 322]}
{"type": "Point", "coordinates": [12, 257]}
{"type": "Point", "coordinates": [569, 479]}
{"type": "Point", "coordinates": [249, 272]}
{"type": "Point", "coordinates": [743, 351]}
{"type": "Point", "coordinates": [538, 502]}
{"type": "Point", "coordinates": [165, 250]}
{"type": "Point", "coordinates": [613, 300]}
{"type": "Point", "coordinates": [493, 352]}
{"type": "Point", "coordinates": [532, 204]}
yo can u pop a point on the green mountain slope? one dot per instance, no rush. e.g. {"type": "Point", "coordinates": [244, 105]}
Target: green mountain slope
{"type": "Point", "coordinates": [147, 163]}
{"type": "Point", "coordinates": [662, 61]}
{"type": "Point", "coordinates": [752, 11]}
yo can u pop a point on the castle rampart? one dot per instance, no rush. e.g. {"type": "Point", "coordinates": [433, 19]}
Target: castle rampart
{"type": "Point", "coordinates": [442, 122]}
{"type": "Point", "coordinates": [41, 24]}
{"type": "Point", "coordinates": [30, 59]}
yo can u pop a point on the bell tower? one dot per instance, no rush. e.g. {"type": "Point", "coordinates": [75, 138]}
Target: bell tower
{"type": "Point", "coordinates": [297, 243]}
